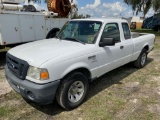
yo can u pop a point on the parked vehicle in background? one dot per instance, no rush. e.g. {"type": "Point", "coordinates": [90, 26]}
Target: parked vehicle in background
{"type": "Point", "coordinates": [21, 27]}
{"type": "Point", "coordinates": [136, 22]}
{"type": "Point", "coordinates": [24, 23]}
{"type": "Point", "coordinates": [82, 51]}
{"type": "Point", "coordinates": [133, 25]}
{"type": "Point", "coordinates": [152, 22]}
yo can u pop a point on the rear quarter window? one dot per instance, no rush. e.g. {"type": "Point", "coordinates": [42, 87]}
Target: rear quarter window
{"type": "Point", "coordinates": [126, 31]}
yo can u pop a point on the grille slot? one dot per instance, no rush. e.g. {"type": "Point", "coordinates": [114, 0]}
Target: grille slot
{"type": "Point", "coordinates": [17, 66]}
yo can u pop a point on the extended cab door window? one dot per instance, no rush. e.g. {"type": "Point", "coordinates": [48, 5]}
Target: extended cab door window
{"type": "Point", "coordinates": [111, 30]}
{"type": "Point", "coordinates": [128, 44]}
{"type": "Point", "coordinates": [126, 31]}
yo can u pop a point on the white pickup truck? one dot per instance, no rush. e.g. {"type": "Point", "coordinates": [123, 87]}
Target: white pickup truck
{"type": "Point", "coordinates": [83, 50]}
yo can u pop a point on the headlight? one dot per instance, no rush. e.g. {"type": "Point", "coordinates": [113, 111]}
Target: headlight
{"type": "Point", "coordinates": [38, 73]}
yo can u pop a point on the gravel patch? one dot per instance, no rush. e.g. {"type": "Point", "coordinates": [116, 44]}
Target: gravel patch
{"type": "Point", "coordinates": [154, 108]}
{"type": "Point", "coordinates": [4, 86]}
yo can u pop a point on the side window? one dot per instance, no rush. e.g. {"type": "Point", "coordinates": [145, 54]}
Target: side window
{"type": "Point", "coordinates": [126, 31]}
{"type": "Point", "coordinates": [111, 30]}
{"type": "Point", "coordinates": [96, 27]}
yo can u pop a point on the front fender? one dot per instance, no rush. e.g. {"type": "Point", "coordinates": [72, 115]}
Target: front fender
{"type": "Point", "coordinates": [74, 67]}
{"type": "Point", "coordinates": [60, 70]}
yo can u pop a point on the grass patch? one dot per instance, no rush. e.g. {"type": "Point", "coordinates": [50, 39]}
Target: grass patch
{"type": "Point", "coordinates": [5, 110]}
{"type": "Point", "coordinates": [4, 49]}
{"type": "Point", "coordinates": [146, 115]}
{"type": "Point", "coordinates": [157, 46]}
{"type": "Point", "coordinates": [149, 100]}
{"type": "Point", "coordinates": [14, 107]}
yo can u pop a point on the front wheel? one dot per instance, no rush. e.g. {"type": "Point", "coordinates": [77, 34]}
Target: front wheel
{"type": "Point", "coordinates": [141, 61]}
{"type": "Point", "coordinates": [72, 90]}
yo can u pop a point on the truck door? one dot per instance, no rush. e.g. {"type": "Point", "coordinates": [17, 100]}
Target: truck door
{"type": "Point", "coordinates": [62, 22]}
{"type": "Point", "coordinates": [40, 29]}
{"type": "Point", "coordinates": [27, 27]}
{"type": "Point", "coordinates": [55, 23]}
{"type": "Point", "coordinates": [48, 25]}
{"type": "Point", "coordinates": [127, 43]}
{"type": "Point", "coordinates": [10, 29]}
{"type": "Point", "coordinates": [110, 57]}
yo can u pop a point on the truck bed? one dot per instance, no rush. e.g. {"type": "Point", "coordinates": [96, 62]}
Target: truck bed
{"type": "Point", "coordinates": [137, 34]}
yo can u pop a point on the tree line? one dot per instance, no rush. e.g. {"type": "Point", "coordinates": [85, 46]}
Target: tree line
{"type": "Point", "coordinates": [143, 6]}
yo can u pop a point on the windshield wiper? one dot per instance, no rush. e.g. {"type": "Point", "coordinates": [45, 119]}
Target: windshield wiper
{"type": "Point", "coordinates": [74, 39]}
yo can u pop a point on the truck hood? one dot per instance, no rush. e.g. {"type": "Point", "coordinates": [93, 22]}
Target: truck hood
{"type": "Point", "coordinates": [36, 53]}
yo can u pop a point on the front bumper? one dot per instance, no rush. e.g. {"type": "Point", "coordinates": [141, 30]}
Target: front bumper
{"type": "Point", "coordinates": [40, 93]}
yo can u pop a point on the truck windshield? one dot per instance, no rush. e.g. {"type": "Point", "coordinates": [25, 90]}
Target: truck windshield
{"type": "Point", "coordinates": [80, 31]}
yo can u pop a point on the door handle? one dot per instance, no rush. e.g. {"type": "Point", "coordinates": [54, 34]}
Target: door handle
{"type": "Point", "coordinates": [121, 47]}
{"type": "Point", "coordinates": [92, 57]}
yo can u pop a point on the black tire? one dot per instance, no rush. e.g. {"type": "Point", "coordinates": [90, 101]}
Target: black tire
{"type": "Point", "coordinates": [52, 33]}
{"type": "Point", "coordinates": [141, 61]}
{"type": "Point", "coordinates": [2, 47]}
{"type": "Point", "coordinates": [63, 95]}
{"type": "Point", "coordinates": [27, 100]}
{"type": "Point", "coordinates": [29, 8]}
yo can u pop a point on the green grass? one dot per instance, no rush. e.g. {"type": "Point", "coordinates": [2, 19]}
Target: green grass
{"type": "Point", "coordinates": [145, 115]}
{"type": "Point", "coordinates": [157, 46]}
{"type": "Point", "coordinates": [4, 49]}
{"type": "Point", "coordinates": [5, 110]}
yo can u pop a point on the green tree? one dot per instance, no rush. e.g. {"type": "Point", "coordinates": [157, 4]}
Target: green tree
{"type": "Point", "coordinates": [156, 5]}
{"type": "Point", "coordinates": [143, 5]}
{"type": "Point", "coordinates": [81, 16]}
{"type": "Point", "coordinates": [76, 16]}
{"type": "Point", "coordinates": [87, 16]}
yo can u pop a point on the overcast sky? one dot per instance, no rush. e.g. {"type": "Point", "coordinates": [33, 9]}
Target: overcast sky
{"type": "Point", "coordinates": [107, 8]}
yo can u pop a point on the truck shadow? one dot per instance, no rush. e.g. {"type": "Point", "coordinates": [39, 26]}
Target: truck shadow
{"type": "Point", "coordinates": [2, 59]}
{"type": "Point", "coordinates": [107, 80]}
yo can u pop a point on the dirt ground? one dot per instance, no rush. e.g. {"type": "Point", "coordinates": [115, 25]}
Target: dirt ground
{"type": "Point", "coordinates": [4, 87]}
{"type": "Point", "coordinates": [126, 93]}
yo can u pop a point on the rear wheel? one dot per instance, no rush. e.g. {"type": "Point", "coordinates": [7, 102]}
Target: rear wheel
{"type": "Point", "coordinates": [72, 90]}
{"type": "Point", "coordinates": [141, 61]}
{"type": "Point", "coordinates": [52, 33]}
{"type": "Point", "coordinates": [29, 8]}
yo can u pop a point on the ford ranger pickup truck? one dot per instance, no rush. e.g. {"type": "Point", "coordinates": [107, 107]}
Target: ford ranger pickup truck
{"type": "Point", "coordinates": [83, 50]}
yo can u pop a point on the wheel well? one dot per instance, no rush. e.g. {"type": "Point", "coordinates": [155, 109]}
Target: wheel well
{"type": "Point", "coordinates": [85, 71]}
{"type": "Point", "coordinates": [146, 47]}
{"type": "Point", "coordinates": [52, 31]}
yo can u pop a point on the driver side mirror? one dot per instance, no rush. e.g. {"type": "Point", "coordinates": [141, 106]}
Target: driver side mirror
{"type": "Point", "coordinates": [107, 42]}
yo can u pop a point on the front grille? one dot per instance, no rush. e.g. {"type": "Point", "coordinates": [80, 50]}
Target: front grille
{"type": "Point", "coordinates": [17, 66]}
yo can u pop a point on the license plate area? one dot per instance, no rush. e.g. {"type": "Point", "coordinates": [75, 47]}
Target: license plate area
{"type": "Point", "coordinates": [16, 87]}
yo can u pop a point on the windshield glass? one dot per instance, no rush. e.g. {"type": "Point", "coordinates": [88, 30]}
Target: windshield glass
{"type": "Point", "coordinates": [80, 31]}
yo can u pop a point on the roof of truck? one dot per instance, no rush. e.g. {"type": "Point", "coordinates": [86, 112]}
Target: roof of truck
{"type": "Point", "coordinates": [101, 19]}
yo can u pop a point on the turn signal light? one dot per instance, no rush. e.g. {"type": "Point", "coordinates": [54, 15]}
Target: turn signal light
{"type": "Point", "coordinates": [44, 75]}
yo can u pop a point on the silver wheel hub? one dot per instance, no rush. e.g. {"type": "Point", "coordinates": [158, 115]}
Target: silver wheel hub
{"type": "Point", "coordinates": [143, 59]}
{"type": "Point", "coordinates": [76, 91]}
